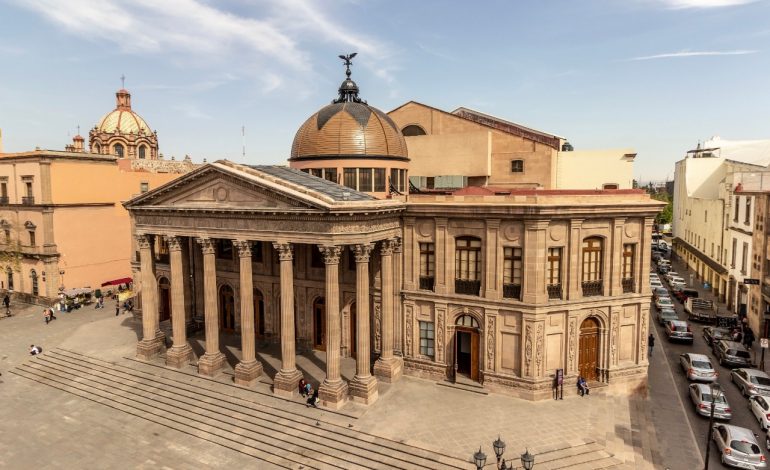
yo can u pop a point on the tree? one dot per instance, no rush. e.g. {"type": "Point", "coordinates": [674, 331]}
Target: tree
{"type": "Point", "coordinates": [667, 214]}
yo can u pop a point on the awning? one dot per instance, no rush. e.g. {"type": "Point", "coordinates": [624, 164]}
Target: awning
{"type": "Point", "coordinates": [116, 282]}
{"type": "Point", "coordinates": [74, 292]}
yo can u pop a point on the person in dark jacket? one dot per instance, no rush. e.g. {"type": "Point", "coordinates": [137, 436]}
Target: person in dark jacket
{"type": "Point", "coordinates": [582, 386]}
{"type": "Point", "coordinates": [313, 400]}
{"type": "Point", "coordinates": [650, 345]}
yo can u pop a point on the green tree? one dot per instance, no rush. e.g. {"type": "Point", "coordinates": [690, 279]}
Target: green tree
{"type": "Point", "coordinates": [667, 214]}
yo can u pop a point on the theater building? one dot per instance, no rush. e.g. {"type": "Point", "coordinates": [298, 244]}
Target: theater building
{"type": "Point", "coordinates": [489, 285]}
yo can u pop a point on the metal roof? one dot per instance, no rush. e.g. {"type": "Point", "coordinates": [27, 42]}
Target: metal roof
{"type": "Point", "coordinates": [325, 187]}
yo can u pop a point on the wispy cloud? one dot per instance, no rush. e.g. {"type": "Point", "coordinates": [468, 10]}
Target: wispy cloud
{"type": "Point", "coordinates": [682, 4]}
{"type": "Point", "coordinates": [681, 54]}
{"type": "Point", "coordinates": [192, 111]}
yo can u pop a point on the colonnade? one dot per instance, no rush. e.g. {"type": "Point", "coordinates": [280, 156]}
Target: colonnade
{"type": "Point", "coordinates": [333, 391]}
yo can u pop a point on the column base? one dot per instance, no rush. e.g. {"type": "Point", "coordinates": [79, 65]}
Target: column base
{"type": "Point", "coordinates": [246, 373]}
{"type": "Point", "coordinates": [211, 363]}
{"type": "Point", "coordinates": [364, 389]}
{"type": "Point", "coordinates": [285, 383]}
{"type": "Point", "coordinates": [389, 370]}
{"type": "Point", "coordinates": [148, 349]}
{"type": "Point", "coordinates": [179, 356]}
{"type": "Point", "coordinates": [333, 395]}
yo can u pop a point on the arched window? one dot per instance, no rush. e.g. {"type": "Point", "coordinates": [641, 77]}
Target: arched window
{"type": "Point", "coordinates": [33, 276]}
{"type": "Point", "coordinates": [592, 266]}
{"type": "Point", "coordinates": [118, 150]}
{"type": "Point", "coordinates": [468, 265]}
{"type": "Point", "coordinates": [412, 130]}
{"type": "Point", "coordinates": [466, 320]}
{"type": "Point", "coordinates": [97, 148]}
{"type": "Point", "coordinates": [142, 151]}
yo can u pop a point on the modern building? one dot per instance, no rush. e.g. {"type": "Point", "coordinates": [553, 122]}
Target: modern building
{"type": "Point", "coordinates": [60, 211]}
{"type": "Point", "coordinates": [500, 286]}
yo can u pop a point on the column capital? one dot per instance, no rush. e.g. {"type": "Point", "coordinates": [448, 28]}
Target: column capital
{"type": "Point", "coordinates": [388, 246]}
{"type": "Point", "coordinates": [576, 223]}
{"type": "Point", "coordinates": [208, 245]}
{"type": "Point", "coordinates": [244, 248]}
{"type": "Point", "coordinates": [620, 220]}
{"type": "Point", "coordinates": [144, 241]}
{"type": "Point", "coordinates": [398, 245]}
{"type": "Point", "coordinates": [536, 224]}
{"type": "Point", "coordinates": [362, 252]}
{"type": "Point", "coordinates": [649, 221]}
{"type": "Point", "coordinates": [492, 223]}
{"type": "Point", "coordinates": [331, 253]}
{"type": "Point", "coordinates": [285, 251]}
{"type": "Point", "coordinates": [441, 221]}
{"type": "Point", "coordinates": [174, 242]}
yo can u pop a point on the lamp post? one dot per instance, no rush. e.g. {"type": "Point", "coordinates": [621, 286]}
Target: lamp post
{"type": "Point", "coordinates": [715, 392]}
{"type": "Point", "coordinates": [480, 458]}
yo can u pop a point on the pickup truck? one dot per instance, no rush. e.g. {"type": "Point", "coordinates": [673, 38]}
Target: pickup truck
{"type": "Point", "coordinates": [700, 309]}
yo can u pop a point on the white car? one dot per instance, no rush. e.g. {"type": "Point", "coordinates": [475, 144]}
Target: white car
{"type": "Point", "coordinates": [671, 274]}
{"type": "Point", "coordinates": [760, 406]}
{"type": "Point", "coordinates": [676, 281]}
{"type": "Point", "coordinates": [655, 283]}
{"type": "Point", "coordinates": [664, 302]}
{"type": "Point", "coordinates": [698, 367]}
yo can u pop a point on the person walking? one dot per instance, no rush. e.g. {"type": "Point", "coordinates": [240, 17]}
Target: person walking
{"type": "Point", "coordinates": [117, 308]}
{"type": "Point", "coordinates": [46, 316]}
{"type": "Point", "coordinates": [7, 305]}
{"type": "Point", "coordinates": [650, 345]}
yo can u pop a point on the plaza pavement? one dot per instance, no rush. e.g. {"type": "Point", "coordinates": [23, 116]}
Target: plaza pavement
{"type": "Point", "coordinates": [43, 427]}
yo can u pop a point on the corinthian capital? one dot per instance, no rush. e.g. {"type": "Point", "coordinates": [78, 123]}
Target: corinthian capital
{"type": "Point", "coordinates": [208, 246]}
{"type": "Point", "coordinates": [244, 248]}
{"type": "Point", "coordinates": [331, 254]}
{"type": "Point", "coordinates": [285, 251]}
{"type": "Point", "coordinates": [144, 241]}
{"type": "Point", "coordinates": [362, 252]}
{"type": "Point", "coordinates": [174, 242]}
{"type": "Point", "coordinates": [388, 246]}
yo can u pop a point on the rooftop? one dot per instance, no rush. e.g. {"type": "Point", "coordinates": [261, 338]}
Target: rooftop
{"type": "Point", "coordinates": [333, 190]}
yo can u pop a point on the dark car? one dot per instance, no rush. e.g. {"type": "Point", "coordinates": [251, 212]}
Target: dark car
{"type": "Point", "coordinates": [731, 354]}
{"type": "Point", "coordinates": [713, 333]}
{"type": "Point", "coordinates": [663, 269]}
{"type": "Point", "coordinates": [685, 293]}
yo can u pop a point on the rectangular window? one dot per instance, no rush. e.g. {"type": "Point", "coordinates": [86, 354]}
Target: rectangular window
{"type": "Point", "coordinates": [468, 265]}
{"type": "Point", "coordinates": [747, 218]}
{"type": "Point", "coordinates": [144, 187]}
{"type": "Point", "coordinates": [256, 252]}
{"type": "Point", "coordinates": [553, 278]}
{"type": "Point", "coordinates": [627, 279]}
{"type": "Point", "coordinates": [7, 236]}
{"type": "Point", "coordinates": [744, 257]}
{"type": "Point", "coordinates": [592, 267]}
{"type": "Point", "coordinates": [427, 265]}
{"type": "Point", "coordinates": [32, 238]}
{"type": "Point", "coordinates": [427, 338]}
{"type": "Point", "coordinates": [402, 181]}
{"type": "Point", "coordinates": [4, 189]}
{"type": "Point", "coordinates": [330, 174]}
{"type": "Point", "coordinates": [224, 249]}
{"type": "Point", "coordinates": [517, 166]}
{"type": "Point", "coordinates": [379, 180]}
{"type": "Point", "coordinates": [394, 178]}
{"type": "Point", "coordinates": [365, 180]}
{"type": "Point", "coordinates": [705, 216]}
{"type": "Point", "coordinates": [736, 208]}
{"type": "Point", "coordinates": [349, 178]}
{"type": "Point", "coordinates": [317, 172]}
{"type": "Point", "coordinates": [430, 182]}
{"type": "Point", "coordinates": [712, 250]}
{"type": "Point", "coordinates": [512, 272]}
{"type": "Point", "coordinates": [735, 253]}
{"type": "Point", "coordinates": [28, 185]}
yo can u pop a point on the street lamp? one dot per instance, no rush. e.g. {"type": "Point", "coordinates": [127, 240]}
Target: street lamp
{"type": "Point", "coordinates": [716, 392]}
{"type": "Point", "coordinates": [480, 458]}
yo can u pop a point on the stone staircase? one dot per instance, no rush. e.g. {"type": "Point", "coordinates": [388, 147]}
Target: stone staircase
{"type": "Point", "coordinates": [282, 433]}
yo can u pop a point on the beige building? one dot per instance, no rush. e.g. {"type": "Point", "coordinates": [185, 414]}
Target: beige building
{"type": "Point", "coordinates": [499, 287]}
{"type": "Point", "coordinates": [61, 214]}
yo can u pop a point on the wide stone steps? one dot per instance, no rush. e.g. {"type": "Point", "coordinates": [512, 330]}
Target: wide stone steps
{"type": "Point", "coordinates": [282, 438]}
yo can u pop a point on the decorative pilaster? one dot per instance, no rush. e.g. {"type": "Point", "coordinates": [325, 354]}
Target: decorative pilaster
{"type": "Point", "coordinates": [442, 251]}
{"type": "Point", "coordinates": [398, 315]}
{"type": "Point", "coordinates": [388, 368]}
{"type": "Point", "coordinates": [150, 345]}
{"type": "Point", "coordinates": [646, 249]}
{"type": "Point", "coordinates": [212, 360]}
{"type": "Point", "coordinates": [286, 380]}
{"type": "Point", "coordinates": [492, 283]}
{"type": "Point", "coordinates": [534, 261]}
{"type": "Point", "coordinates": [333, 392]}
{"type": "Point", "coordinates": [246, 371]}
{"type": "Point", "coordinates": [616, 254]}
{"type": "Point", "coordinates": [363, 387]}
{"type": "Point", "coordinates": [574, 291]}
{"type": "Point", "coordinates": [181, 353]}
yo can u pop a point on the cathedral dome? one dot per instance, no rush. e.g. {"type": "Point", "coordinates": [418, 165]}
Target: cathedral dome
{"type": "Point", "coordinates": [123, 133]}
{"type": "Point", "coordinates": [123, 119]}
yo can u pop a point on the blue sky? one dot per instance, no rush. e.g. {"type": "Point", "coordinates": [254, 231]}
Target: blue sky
{"type": "Point", "coordinates": [655, 75]}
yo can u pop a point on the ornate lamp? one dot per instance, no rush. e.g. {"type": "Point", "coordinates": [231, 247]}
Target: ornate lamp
{"type": "Point", "coordinates": [527, 460]}
{"type": "Point", "coordinates": [499, 447]}
{"type": "Point", "coordinates": [480, 459]}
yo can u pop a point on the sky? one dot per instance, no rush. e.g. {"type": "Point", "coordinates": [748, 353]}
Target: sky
{"type": "Point", "coordinates": [657, 76]}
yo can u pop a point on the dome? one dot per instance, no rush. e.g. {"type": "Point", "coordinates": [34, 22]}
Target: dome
{"type": "Point", "coordinates": [348, 129]}
{"type": "Point", "coordinates": [126, 122]}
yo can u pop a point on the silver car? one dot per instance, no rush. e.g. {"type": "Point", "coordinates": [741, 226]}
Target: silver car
{"type": "Point", "coordinates": [700, 394]}
{"type": "Point", "coordinates": [760, 406]}
{"type": "Point", "coordinates": [751, 381]}
{"type": "Point", "coordinates": [738, 446]}
{"type": "Point", "coordinates": [698, 367]}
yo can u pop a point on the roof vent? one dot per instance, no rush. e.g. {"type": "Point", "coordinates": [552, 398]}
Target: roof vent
{"type": "Point", "coordinates": [567, 147]}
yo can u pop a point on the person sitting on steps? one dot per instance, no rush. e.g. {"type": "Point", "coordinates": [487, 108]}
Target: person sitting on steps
{"type": "Point", "coordinates": [582, 386]}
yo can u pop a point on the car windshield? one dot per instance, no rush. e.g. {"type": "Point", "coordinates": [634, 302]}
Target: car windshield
{"type": "Point", "coordinates": [679, 328]}
{"type": "Point", "coordinates": [668, 313]}
{"type": "Point", "coordinates": [745, 447]}
{"type": "Point", "coordinates": [764, 381]}
{"type": "Point", "coordinates": [665, 300]}
{"type": "Point", "coordinates": [721, 332]}
{"type": "Point", "coordinates": [743, 354]}
{"type": "Point", "coordinates": [719, 399]}
{"type": "Point", "coordinates": [701, 364]}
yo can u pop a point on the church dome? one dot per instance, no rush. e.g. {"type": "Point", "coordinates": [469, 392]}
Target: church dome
{"type": "Point", "coordinates": [123, 133]}
{"type": "Point", "coordinates": [123, 119]}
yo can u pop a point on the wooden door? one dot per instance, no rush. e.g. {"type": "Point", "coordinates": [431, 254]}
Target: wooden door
{"type": "Point", "coordinates": [319, 324]}
{"type": "Point", "coordinates": [164, 310]}
{"type": "Point", "coordinates": [353, 331]}
{"type": "Point", "coordinates": [227, 309]}
{"type": "Point", "coordinates": [474, 355]}
{"type": "Point", "coordinates": [588, 354]}
{"type": "Point", "coordinates": [259, 314]}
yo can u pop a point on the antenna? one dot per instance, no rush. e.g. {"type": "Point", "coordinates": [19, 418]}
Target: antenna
{"type": "Point", "coordinates": [243, 141]}
{"type": "Point", "coordinates": [78, 129]}
{"type": "Point", "coordinates": [123, 81]}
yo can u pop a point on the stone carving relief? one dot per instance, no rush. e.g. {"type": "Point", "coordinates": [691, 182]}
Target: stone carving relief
{"type": "Point", "coordinates": [377, 326]}
{"type": "Point", "coordinates": [528, 348]}
{"type": "Point", "coordinates": [425, 228]}
{"type": "Point", "coordinates": [558, 232]}
{"type": "Point", "coordinates": [512, 232]}
{"type": "Point", "coordinates": [643, 333]}
{"type": "Point", "coordinates": [408, 339]}
{"type": "Point", "coordinates": [614, 337]}
{"type": "Point", "coordinates": [440, 335]}
{"type": "Point", "coordinates": [491, 343]}
{"type": "Point", "coordinates": [572, 332]}
{"type": "Point", "coordinates": [539, 347]}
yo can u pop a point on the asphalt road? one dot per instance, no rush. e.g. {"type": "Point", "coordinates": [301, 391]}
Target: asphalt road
{"type": "Point", "coordinates": [741, 414]}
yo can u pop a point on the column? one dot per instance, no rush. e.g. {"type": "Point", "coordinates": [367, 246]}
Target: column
{"type": "Point", "coordinates": [492, 281]}
{"type": "Point", "coordinates": [212, 360]}
{"type": "Point", "coordinates": [286, 380]}
{"type": "Point", "coordinates": [534, 261]}
{"type": "Point", "coordinates": [410, 283]}
{"type": "Point", "coordinates": [247, 371]}
{"type": "Point", "coordinates": [363, 387]}
{"type": "Point", "coordinates": [398, 315]}
{"type": "Point", "coordinates": [388, 368]}
{"type": "Point", "coordinates": [574, 286]}
{"type": "Point", "coordinates": [616, 257]}
{"type": "Point", "coordinates": [333, 392]}
{"type": "Point", "coordinates": [442, 280]}
{"type": "Point", "coordinates": [181, 353]}
{"type": "Point", "coordinates": [646, 248]}
{"type": "Point", "coordinates": [150, 345]}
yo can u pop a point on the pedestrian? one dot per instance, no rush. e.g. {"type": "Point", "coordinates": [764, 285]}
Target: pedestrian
{"type": "Point", "coordinates": [582, 386]}
{"type": "Point", "coordinates": [117, 308]}
{"type": "Point", "coordinates": [650, 345]}
{"type": "Point", "coordinates": [7, 304]}
{"type": "Point", "coordinates": [46, 316]}
{"type": "Point", "coordinates": [748, 338]}
{"type": "Point", "coordinates": [313, 400]}
{"type": "Point", "coordinates": [308, 389]}
{"type": "Point", "coordinates": [34, 350]}
{"type": "Point", "coordinates": [301, 386]}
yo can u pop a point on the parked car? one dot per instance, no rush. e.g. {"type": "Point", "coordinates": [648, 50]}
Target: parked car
{"type": "Point", "coordinates": [663, 302]}
{"type": "Point", "coordinates": [656, 255]}
{"type": "Point", "coordinates": [751, 381]}
{"type": "Point", "coordinates": [655, 283]}
{"type": "Point", "coordinates": [684, 293]}
{"type": "Point", "coordinates": [731, 354]}
{"type": "Point", "coordinates": [700, 394]}
{"type": "Point", "coordinates": [664, 269]}
{"type": "Point", "coordinates": [676, 281]}
{"type": "Point", "coordinates": [666, 314]}
{"type": "Point", "coordinates": [760, 406]}
{"type": "Point", "coordinates": [713, 333]}
{"type": "Point", "coordinates": [697, 367]}
{"type": "Point", "coordinates": [678, 330]}
{"type": "Point", "coordinates": [669, 275]}
{"type": "Point", "coordinates": [738, 446]}
{"type": "Point", "coordinates": [663, 260]}
{"type": "Point", "coordinates": [659, 292]}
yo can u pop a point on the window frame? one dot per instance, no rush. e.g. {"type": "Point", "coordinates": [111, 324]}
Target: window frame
{"type": "Point", "coordinates": [468, 247]}
{"type": "Point", "coordinates": [517, 166]}
{"type": "Point", "coordinates": [427, 338]}
{"type": "Point", "coordinates": [513, 271]}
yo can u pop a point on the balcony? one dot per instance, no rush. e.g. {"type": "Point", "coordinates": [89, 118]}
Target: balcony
{"type": "Point", "coordinates": [28, 200]}
{"type": "Point", "coordinates": [426, 283]}
{"type": "Point", "coordinates": [467, 287]}
{"type": "Point", "coordinates": [628, 285]}
{"type": "Point", "coordinates": [4, 200]}
{"type": "Point", "coordinates": [554, 291]}
{"type": "Point", "coordinates": [512, 291]}
{"type": "Point", "coordinates": [592, 288]}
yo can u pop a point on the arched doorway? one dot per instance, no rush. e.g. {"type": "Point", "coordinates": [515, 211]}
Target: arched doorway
{"type": "Point", "coordinates": [164, 297]}
{"type": "Point", "coordinates": [319, 324]}
{"type": "Point", "coordinates": [259, 313]}
{"type": "Point", "coordinates": [353, 325]}
{"type": "Point", "coordinates": [466, 347]}
{"type": "Point", "coordinates": [226, 309]}
{"type": "Point", "coordinates": [588, 355]}
{"type": "Point", "coordinates": [33, 275]}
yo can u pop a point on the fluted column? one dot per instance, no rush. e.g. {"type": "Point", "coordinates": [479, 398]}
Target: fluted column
{"type": "Point", "coordinates": [333, 392]}
{"type": "Point", "coordinates": [150, 345]}
{"type": "Point", "coordinates": [286, 380]}
{"type": "Point", "coordinates": [247, 371]}
{"type": "Point", "coordinates": [398, 322]}
{"type": "Point", "coordinates": [363, 387]}
{"type": "Point", "coordinates": [179, 355]}
{"type": "Point", "coordinates": [212, 360]}
{"type": "Point", "coordinates": [388, 368]}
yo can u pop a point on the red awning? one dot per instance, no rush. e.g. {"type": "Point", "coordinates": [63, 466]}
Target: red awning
{"type": "Point", "coordinates": [123, 280]}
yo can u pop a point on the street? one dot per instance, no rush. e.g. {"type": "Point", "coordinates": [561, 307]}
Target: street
{"type": "Point", "coordinates": [741, 414]}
